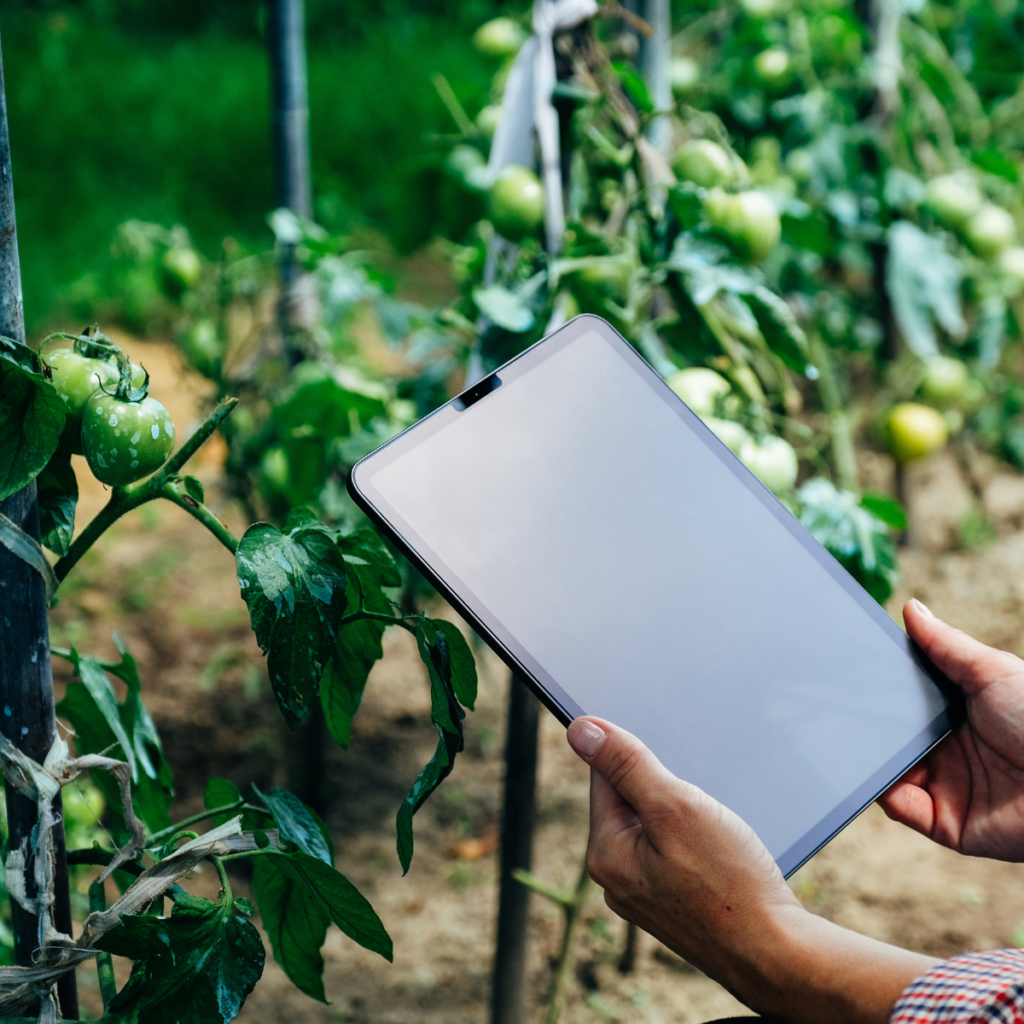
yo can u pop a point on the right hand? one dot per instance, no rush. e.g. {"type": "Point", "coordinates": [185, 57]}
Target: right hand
{"type": "Point", "coordinates": [968, 793]}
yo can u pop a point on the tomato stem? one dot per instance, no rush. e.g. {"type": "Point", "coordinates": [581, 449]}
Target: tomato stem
{"type": "Point", "coordinates": [239, 805]}
{"type": "Point", "coordinates": [162, 484]}
{"type": "Point", "coordinates": [393, 620]}
{"type": "Point", "coordinates": [227, 896]}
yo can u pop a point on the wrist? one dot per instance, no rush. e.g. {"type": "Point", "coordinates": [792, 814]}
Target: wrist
{"type": "Point", "coordinates": [810, 971]}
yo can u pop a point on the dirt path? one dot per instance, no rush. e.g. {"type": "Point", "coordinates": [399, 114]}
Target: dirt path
{"type": "Point", "coordinates": [170, 590]}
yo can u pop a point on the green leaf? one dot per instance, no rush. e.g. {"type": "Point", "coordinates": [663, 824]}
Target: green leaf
{"type": "Point", "coordinates": [31, 417]}
{"type": "Point", "coordinates": [779, 326]}
{"type": "Point", "coordinates": [100, 723]}
{"type": "Point", "coordinates": [889, 510]}
{"type": "Point", "coordinates": [504, 308]}
{"type": "Point", "coordinates": [58, 496]}
{"type": "Point", "coordinates": [296, 823]}
{"type": "Point", "coordinates": [370, 568]}
{"type": "Point", "coordinates": [463, 664]}
{"type": "Point", "coordinates": [220, 793]}
{"type": "Point", "coordinates": [323, 410]}
{"type": "Point", "coordinates": [447, 718]}
{"type": "Point", "coordinates": [294, 922]}
{"type": "Point", "coordinates": [634, 84]}
{"type": "Point", "coordinates": [294, 586]}
{"type": "Point", "coordinates": [198, 965]}
{"type": "Point", "coordinates": [194, 489]}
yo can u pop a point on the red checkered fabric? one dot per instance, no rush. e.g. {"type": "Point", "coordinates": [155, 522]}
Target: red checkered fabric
{"type": "Point", "coordinates": [976, 988]}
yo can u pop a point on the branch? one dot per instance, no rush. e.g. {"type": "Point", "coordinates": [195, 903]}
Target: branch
{"type": "Point", "coordinates": [125, 499]}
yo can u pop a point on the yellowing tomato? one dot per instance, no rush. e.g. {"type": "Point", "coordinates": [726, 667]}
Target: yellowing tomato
{"type": "Point", "coordinates": [914, 431]}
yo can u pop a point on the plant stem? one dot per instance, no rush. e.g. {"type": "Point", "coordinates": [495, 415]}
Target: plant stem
{"type": "Point", "coordinates": [104, 961]}
{"type": "Point", "coordinates": [393, 620]}
{"type": "Point", "coordinates": [227, 896]}
{"type": "Point", "coordinates": [844, 455]}
{"type": "Point", "coordinates": [124, 499]}
{"type": "Point", "coordinates": [238, 805]}
{"type": "Point", "coordinates": [572, 913]}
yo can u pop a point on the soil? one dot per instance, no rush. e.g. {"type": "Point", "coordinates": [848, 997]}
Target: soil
{"type": "Point", "coordinates": [170, 590]}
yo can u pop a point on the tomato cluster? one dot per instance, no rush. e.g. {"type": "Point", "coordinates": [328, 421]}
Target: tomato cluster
{"type": "Point", "coordinates": [110, 419]}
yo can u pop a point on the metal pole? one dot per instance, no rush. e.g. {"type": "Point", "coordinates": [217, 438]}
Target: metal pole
{"type": "Point", "coordinates": [286, 25]}
{"type": "Point", "coordinates": [655, 56]}
{"type": "Point", "coordinates": [507, 1002]}
{"type": "Point", "coordinates": [26, 681]}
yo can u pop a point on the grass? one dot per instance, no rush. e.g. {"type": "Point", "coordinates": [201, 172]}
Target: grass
{"type": "Point", "coordinates": [110, 122]}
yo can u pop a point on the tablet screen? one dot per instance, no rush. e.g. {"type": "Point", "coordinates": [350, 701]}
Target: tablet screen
{"type": "Point", "coordinates": [596, 527]}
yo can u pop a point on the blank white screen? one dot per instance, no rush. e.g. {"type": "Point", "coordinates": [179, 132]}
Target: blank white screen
{"type": "Point", "coordinates": [659, 593]}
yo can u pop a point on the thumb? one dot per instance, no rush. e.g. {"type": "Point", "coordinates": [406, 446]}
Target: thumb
{"type": "Point", "coordinates": [969, 663]}
{"type": "Point", "coordinates": [628, 767]}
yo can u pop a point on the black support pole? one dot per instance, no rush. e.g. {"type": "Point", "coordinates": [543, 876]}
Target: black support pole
{"type": "Point", "coordinates": [26, 682]}
{"type": "Point", "coordinates": [287, 36]}
{"type": "Point", "coordinates": [507, 992]}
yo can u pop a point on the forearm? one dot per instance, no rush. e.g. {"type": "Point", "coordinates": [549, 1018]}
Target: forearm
{"type": "Point", "coordinates": [810, 971]}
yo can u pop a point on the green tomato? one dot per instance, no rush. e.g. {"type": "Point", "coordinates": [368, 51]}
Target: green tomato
{"type": "Point", "coordinates": [953, 198]}
{"type": "Point", "coordinates": [609, 274]}
{"type": "Point", "coordinates": [467, 165]}
{"type": "Point", "coordinates": [748, 219]}
{"type": "Point", "coordinates": [772, 67]}
{"type": "Point", "coordinates": [800, 164]}
{"type": "Point", "coordinates": [684, 74]}
{"type": "Point", "coordinates": [181, 268]}
{"type": "Point", "coordinates": [732, 435]}
{"type": "Point", "coordinates": [990, 231]}
{"type": "Point", "coordinates": [1011, 263]}
{"type": "Point", "coordinates": [699, 387]}
{"type": "Point", "coordinates": [77, 378]}
{"type": "Point", "coordinates": [773, 462]}
{"type": "Point", "coordinates": [125, 441]}
{"type": "Point", "coordinates": [763, 8]}
{"type": "Point", "coordinates": [944, 380]}
{"type": "Point", "coordinates": [499, 37]}
{"type": "Point", "coordinates": [202, 347]}
{"type": "Point", "coordinates": [488, 118]}
{"type": "Point", "coordinates": [914, 431]}
{"type": "Point", "coordinates": [516, 203]}
{"type": "Point", "coordinates": [704, 163]}
{"type": "Point", "coordinates": [274, 467]}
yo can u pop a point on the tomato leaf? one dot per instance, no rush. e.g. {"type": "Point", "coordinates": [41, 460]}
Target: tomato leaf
{"type": "Point", "coordinates": [463, 664]}
{"type": "Point", "coordinates": [632, 81]}
{"type": "Point", "coordinates": [100, 723]}
{"type": "Point", "coordinates": [198, 965]}
{"type": "Point", "coordinates": [58, 495]}
{"type": "Point", "coordinates": [31, 417]}
{"type": "Point", "coordinates": [889, 510]}
{"type": "Point", "coordinates": [220, 793]}
{"type": "Point", "coordinates": [447, 718]}
{"type": "Point", "coordinates": [295, 823]}
{"type": "Point", "coordinates": [370, 568]}
{"type": "Point", "coordinates": [294, 922]}
{"type": "Point", "coordinates": [294, 586]}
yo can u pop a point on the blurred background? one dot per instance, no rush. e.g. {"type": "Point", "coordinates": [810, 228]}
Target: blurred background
{"type": "Point", "coordinates": [808, 215]}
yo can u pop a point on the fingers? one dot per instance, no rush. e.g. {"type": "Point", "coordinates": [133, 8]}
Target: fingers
{"type": "Point", "coordinates": [629, 768]}
{"type": "Point", "coordinates": [966, 661]}
{"type": "Point", "coordinates": [910, 805]}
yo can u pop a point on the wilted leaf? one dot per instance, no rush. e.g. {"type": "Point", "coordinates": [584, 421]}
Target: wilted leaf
{"type": "Point", "coordinates": [294, 586]}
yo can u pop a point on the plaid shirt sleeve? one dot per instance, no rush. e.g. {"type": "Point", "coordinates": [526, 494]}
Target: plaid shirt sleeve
{"type": "Point", "coordinates": [976, 988]}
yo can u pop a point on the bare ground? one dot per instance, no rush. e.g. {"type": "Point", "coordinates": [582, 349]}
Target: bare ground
{"type": "Point", "coordinates": [169, 588]}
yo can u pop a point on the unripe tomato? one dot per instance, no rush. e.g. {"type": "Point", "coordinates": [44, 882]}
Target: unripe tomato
{"type": "Point", "coordinates": [202, 347]}
{"type": "Point", "coordinates": [772, 67]}
{"type": "Point", "coordinates": [990, 230]}
{"type": "Point", "coordinates": [748, 219]}
{"type": "Point", "coordinates": [944, 379]}
{"type": "Point", "coordinates": [1011, 263]}
{"type": "Point", "coordinates": [125, 441]}
{"type": "Point", "coordinates": [499, 37]}
{"type": "Point", "coordinates": [773, 462]}
{"type": "Point", "coordinates": [732, 435]}
{"type": "Point", "coordinates": [77, 378]}
{"type": "Point", "coordinates": [953, 198]}
{"type": "Point", "coordinates": [698, 387]}
{"type": "Point", "coordinates": [516, 203]}
{"type": "Point", "coordinates": [800, 164]}
{"type": "Point", "coordinates": [488, 118]}
{"type": "Point", "coordinates": [684, 74]}
{"type": "Point", "coordinates": [274, 467]}
{"type": "Point", "coordinates": [762, 8]}
{"type": "Point", "coordinates": [609, 274]}
{"type": "Point", "coordinates": [467, 165]}
{"type": "Point", "coordinates": [181, 268]}
{"type": "Point", "coordinates": [704, 163]}
{"type": "Point", "coordinates": [914, 430]}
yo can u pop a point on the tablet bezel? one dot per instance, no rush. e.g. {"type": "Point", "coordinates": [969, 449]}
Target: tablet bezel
{"type": "Point", "coordinates": [518, 659]}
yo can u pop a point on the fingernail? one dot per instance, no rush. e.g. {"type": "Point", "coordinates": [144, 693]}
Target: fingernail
{"type": "Point", "coordinates": [586, 738]}
{"type": "Point", "coordinates": [923, 608]}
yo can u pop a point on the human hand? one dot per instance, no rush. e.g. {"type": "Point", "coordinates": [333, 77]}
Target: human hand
{"type": "Point", "coordinates": [693, 874]}
{"type": "Point", "coordinates": [968, 793]}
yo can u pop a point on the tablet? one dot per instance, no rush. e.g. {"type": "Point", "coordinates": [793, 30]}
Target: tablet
{"type": "Point", "coordinates": [625, 564]}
